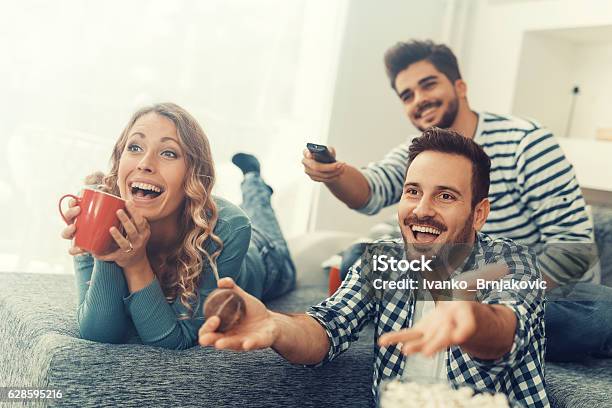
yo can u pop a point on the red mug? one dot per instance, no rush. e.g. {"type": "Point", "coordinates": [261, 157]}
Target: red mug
{"type": "Point", "coordinates": [98, 214]}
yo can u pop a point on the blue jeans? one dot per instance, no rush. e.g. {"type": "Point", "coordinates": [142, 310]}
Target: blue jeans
{"type": "Point", "coordinates": [579, 322]}
{"type": "Point", "coordinates": [350, 256]}
{"type": "Point", "coordinates": [578, 318]}
{"type": "Point", "coordinates": [267, 237]}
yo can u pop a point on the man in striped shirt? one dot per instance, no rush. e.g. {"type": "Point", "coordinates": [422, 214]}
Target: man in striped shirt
{"type": "Point", "coordinates": [535, 197]}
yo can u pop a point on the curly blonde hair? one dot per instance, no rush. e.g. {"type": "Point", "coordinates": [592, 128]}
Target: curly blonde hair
{"type": "Point", "coordinates": [199, 212]}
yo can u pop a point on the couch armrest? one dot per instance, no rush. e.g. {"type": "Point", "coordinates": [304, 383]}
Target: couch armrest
{"type": "Point", "coordinates": [311, 249]}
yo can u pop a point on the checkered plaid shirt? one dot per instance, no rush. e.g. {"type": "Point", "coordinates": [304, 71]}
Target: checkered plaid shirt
{"type": "Point", "coordinates": [519, 373]}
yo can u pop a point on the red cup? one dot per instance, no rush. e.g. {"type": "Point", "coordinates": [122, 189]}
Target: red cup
{"type": "Point", "coordinates": [98, 214]}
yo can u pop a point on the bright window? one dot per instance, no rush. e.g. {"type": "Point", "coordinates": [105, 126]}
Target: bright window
{"type": "Point", "coordinates": [258, 75]}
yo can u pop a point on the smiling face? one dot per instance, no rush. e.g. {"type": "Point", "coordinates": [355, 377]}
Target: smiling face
{"type": "Point", "coordinates": [152, 168]}
{"type": "Point", "coordinates": [436, 205]}
{"type": "Point", "coordinates": [429, 97]}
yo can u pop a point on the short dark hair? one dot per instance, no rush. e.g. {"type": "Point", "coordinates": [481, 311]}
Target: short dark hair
{"type": "Point", "coordinates": [404, 54]}
{"type": "Point", "coordinates": [449, 141]}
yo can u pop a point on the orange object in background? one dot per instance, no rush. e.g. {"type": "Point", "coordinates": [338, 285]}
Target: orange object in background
{"type": "Point", "coordinates": [334, 280]}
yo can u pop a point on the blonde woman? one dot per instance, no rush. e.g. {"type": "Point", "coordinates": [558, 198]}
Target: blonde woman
{"type": "Point", "coordinates": [178, 238]}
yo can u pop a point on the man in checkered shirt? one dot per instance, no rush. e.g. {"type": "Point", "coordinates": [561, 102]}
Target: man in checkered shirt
{"type": "Point", "coordinates": [494, 343]}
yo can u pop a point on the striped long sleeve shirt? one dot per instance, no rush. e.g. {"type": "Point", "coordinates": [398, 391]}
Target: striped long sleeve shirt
{"type": "Point", "coordinates": [535, 197]}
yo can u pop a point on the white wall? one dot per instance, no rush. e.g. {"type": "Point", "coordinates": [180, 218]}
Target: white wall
{"type": "Point", "coordinates": [367, 119]}
{"type": "Point", "coordinates": [553, 62]}
{"type": "Point", "coordinates": [591, 160]}
{"type": "Point", "coordinates": [594, 104]}
{"type": "Point", "coordinates": [490, 59]}
{"type": "Point", "coordinates": [492, 48]}
{"type": "Point", "coordinates": [545, 80]}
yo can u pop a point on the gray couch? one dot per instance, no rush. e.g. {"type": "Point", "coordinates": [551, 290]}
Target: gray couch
{"type": "Point", "coordinates": [40, 347]}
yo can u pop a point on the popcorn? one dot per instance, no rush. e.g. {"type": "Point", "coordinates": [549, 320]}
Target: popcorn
{"type": "Point", "coordinates": [398, 394]}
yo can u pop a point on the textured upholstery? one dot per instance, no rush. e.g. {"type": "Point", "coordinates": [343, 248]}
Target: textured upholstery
{"type": "Point", "coordinates": [40, 347]}
{"type": "Point", "coordinates": [584, 384]}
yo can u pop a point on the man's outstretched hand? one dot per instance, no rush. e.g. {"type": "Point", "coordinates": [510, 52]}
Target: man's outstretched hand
{"type": "Point", "coordinates": [484, 331]}
{"type": "Point", "coordinates": [448, 324]}
{"type": "Point", "coordinates": [256, 330]}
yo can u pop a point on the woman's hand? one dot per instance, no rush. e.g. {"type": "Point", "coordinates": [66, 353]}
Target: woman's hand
{"type": "Point", "coordinates": [133, 248]}
{"type": "Point", "coordinates": [68, 233]}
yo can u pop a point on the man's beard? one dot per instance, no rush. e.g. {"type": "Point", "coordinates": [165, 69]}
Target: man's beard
{"type": "Point", "coordinates": [445, 253]}
{"type": "Point", "coordinates": [449, 116]}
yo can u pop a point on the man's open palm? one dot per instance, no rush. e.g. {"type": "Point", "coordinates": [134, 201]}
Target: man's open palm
{"type": "Point", "coordinates": [450, 323]}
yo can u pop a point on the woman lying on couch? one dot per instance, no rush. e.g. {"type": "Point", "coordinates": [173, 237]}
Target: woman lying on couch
{"type": "Point", "coordinates": [177, 243]}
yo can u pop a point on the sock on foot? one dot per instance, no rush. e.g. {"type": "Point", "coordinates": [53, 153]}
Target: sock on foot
{"type": "Point", "coordinates": [246, 162]}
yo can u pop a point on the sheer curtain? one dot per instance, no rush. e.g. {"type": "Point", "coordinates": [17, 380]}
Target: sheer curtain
{"type": "Point", "coordinates": [258, 75]}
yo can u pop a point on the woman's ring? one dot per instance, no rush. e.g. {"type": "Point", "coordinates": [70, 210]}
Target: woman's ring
{"type": "Point", "coordinates": [127, 251]}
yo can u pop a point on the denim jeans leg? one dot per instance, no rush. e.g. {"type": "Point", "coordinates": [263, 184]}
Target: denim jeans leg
{"type": "Point", "coordinates": [579, 324]}
{"type": "Point", "coordinates": [267, 236]}
{"type": "Point", "coordinates": [350, 256]}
